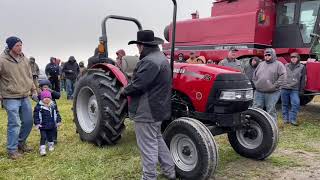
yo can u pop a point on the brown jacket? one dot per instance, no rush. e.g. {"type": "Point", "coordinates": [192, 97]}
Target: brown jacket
{"type": "Point", "coordinates": [192, 61]}
{"type": "Point", "coordinates": [15, 76]}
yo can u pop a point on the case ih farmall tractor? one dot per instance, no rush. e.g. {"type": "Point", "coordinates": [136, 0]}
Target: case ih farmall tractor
{"type": "Point", "coordinates": [207, 100]}
{"type": "Point", "coordinates": [251, 26]}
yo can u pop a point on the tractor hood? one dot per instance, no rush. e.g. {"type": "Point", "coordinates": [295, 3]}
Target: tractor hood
{"type": "Point", "coordinates": [203, 84]}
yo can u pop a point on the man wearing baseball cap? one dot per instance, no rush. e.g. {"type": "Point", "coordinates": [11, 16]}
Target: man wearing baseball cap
{"type": "Point", "coordinates": [16, 84]}
{"type": "Point", "coordinates": [231, 60]}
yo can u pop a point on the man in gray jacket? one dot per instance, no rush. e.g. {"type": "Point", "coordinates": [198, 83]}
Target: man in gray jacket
{"type": "Point", "coordinates": [35, 71]}
{"type": "Point", "coordinates": [294, 85]}
{"type": "Point", "coordinates": [150, 92]}
{"type": "Point", "coordinates": [268, 79]}
{"type": "Point", "coordinates": [231, 60]}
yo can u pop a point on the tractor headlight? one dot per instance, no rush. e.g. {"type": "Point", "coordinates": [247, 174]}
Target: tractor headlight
{"type": "Point", "coordinates": [236, 95]}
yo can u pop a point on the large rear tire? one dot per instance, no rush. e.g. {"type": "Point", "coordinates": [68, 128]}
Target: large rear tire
{"type": "Point", "coordinates": [192, 147]}
{"type": "Point", "coordinates": [99, 109]}
{"type": "Point", "coordinates": [258, 138]}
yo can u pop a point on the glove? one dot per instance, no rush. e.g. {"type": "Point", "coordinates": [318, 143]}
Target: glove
{"type": "Point", "coordinates": [35, 97]}
{"type": "Point", "coordinates": [38, 126]}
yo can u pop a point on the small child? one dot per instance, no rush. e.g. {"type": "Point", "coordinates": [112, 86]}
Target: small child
{"type": "Point", "coordinates": [46, 85]}
{"type": "Point", "coordinates": [46, 119]}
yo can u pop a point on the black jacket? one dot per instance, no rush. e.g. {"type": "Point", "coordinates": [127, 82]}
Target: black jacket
{"type": "Point", "coordinates": [47, 117]}
{"type": "Point", "coordinates": [71, 70]}
{"type": "Point", "coordinates": [52, 70]}
{"type": "Point", "coordinates": [150, 88]}
{"type": "Point", "coordinates": [95, 59]}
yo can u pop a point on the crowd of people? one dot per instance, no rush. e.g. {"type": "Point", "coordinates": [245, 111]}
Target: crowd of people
{"type": "Point", "coordinates": [63, 75]}
{"type": "Point", "coordinates": [270, 79]}
{"type": "Point", "coordinates": [19, 80]}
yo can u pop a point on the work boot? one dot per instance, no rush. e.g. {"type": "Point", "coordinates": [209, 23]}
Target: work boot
{"type": "Point", "coordinates": [171, 176]}
{"type": "Point", "coordinates": [43, 150]}
{"type": "Point", "coordinates": [51, 146]}
{"type": "Point", "coordinates": [14, 155]}
{"type": "Point", "coordinates": [24, 148]}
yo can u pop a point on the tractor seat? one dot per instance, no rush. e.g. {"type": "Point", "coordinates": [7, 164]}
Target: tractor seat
{"type": "Point", "coordinates": [128, 64]}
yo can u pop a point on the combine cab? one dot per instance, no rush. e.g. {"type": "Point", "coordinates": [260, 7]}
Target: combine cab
{"type": "Point", "coordinates": [251, 26]}
{"type": "Point", "coordinates": [207, 100]}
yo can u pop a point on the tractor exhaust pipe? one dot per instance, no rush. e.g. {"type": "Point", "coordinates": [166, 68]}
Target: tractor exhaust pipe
{"type": "Point", "coordinates": [173, 35]}
{"type": "Point", "coordinates": [104, 37]}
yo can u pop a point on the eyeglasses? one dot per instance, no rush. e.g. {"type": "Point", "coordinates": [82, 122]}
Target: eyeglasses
{"type": "Point", "coordinates": [267, 55]}
{"type": "Point", "coordinates": [293, 57]}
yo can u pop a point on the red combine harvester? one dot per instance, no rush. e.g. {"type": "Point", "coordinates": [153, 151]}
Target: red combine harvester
{"type": "Point", "coordinates": [251, 26]}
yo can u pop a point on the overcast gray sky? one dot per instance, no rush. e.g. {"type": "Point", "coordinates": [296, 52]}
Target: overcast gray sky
{"type": "Point", "coordinates": [61, 28]}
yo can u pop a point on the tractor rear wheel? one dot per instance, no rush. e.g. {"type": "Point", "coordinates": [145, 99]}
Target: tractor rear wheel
{"type": "Point", "coordinates": [258, 138]}
{"type": "Point", "coordinates": [99, 109]}
{"type": "Point", "coordinates": [192, 147]}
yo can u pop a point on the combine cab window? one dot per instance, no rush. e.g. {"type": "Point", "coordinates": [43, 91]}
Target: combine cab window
{"type": "Point", "coordinates": [308, 18]}
{"type": "Point", "coordinates": [286, 13]}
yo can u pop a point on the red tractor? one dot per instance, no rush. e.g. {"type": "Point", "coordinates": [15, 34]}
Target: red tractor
{"type": "Point", "coordinates": [207, 100]}
{"type": "Point", "coordinates": [251, 26]}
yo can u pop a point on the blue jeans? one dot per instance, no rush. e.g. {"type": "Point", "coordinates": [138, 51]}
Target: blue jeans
{"type": "Point", "coordinates": [290, 105]}
{"type": "Point", "coordinates": [20, 121]}
{"type": "Point", "coordinates": [70, 88]}
{"type": "Point", "coordinates": [63, 85]}
{"type": "Point", "coordinates": [268, 101]}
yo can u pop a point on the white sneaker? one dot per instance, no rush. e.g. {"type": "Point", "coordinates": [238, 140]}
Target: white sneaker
{"type": "Point", "coordinates": [43, 150]}
{"type": "Point", "coordinates": [51, 146]}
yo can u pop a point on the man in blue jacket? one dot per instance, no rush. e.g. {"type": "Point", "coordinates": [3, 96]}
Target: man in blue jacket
{"type": "Point", "coordinates": [150, 92]}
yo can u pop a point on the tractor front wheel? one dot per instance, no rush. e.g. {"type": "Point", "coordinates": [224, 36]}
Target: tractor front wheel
{"type": "Point", "coordinates": [256, 139]}
{"type": "Point", "coordinates": [192, 147]}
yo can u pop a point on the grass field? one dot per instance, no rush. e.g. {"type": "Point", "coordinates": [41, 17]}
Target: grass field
{"type": "Point", "coordinates": [297, 155]}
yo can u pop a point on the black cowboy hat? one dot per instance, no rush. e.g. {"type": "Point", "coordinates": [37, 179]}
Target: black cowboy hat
{"type": "Point", "coordinates": [146, 37]}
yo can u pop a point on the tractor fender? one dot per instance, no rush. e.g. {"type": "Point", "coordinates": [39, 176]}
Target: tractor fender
{"type": "Point", "coordinates": [116, 71]}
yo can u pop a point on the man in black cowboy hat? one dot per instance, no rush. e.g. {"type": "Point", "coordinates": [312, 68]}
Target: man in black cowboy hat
{"type": "Point", "coordinates": [150, 92]}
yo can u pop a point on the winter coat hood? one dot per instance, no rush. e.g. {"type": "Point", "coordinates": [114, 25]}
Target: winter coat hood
{"type": "Point", "coordinates": [72, 59]}
{"type": "Point", "coordinates": [258, 60]}
{"type": "Point", "coordinates": [121, 52]}
{"type": "Point", "coordinates": [273, 54]}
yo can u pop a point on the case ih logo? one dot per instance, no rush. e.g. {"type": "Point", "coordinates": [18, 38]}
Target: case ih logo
{"type": "Point", "coordinates": [206, 77]}
{"type": "Point", "coordinates": [179, 71]}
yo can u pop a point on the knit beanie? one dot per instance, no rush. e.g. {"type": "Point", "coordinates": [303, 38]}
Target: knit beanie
{"type": "Point", "coordinates": [45, 94]}
{"type": "Point", "coordinates": [11, 41]}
